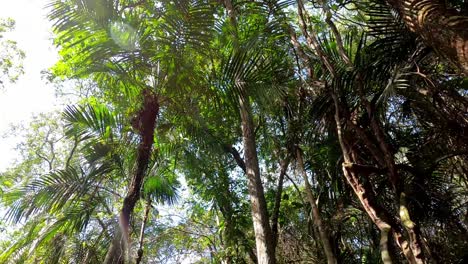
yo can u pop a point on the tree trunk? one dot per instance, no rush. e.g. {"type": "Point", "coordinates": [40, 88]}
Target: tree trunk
{"type": "Point", "coordinates": [115, 253]}
{"type": "Point", "coordinates": [323, 231]}
{"type": "Point", "coordinates": [263, 236]}
{"type": "Point", "coordinates": [443, 29]}
{"type": "Point", "coordinates": [142, 231]}
{"type": "Point", "coordinates": [144, 124]}
{"type": "Point", "coordinates": [363, 193]}
{"type": "Point", "coordinates": [416, 255]}
{"type": "Point", "coordinates": [276, 208]}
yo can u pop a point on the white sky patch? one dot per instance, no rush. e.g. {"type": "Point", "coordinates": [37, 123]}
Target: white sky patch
{"type": "Point", "coordinates": [29, 95]}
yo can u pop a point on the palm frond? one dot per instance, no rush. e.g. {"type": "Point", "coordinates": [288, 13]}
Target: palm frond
{"type": "Point", "coordinates": [51, 192]}
{"type": "Point", "coordinates": [90, 120]}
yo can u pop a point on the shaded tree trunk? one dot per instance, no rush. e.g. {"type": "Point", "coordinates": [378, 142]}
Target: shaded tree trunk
{"type": "Point", "coordinates": [364, 194]}
{"type": "Point", "coordinates": [416, 255]}
{"type": "Point", "coordinates": [381, 217]}
{"type": "Point", "coordinates": [443, 29]}
{"type": "Point", "coordinates": [276, 208]}
{"type": "Point", "coordinates": [142, 231]}
{"type": "Point", "coordinates": [144, 123]}
{"type": "Point", "coordinates": [323, 230]}
{"type": "Point", "coordinates": [116, 252]}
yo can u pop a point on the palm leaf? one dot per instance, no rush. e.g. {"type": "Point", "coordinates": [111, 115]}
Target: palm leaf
{"type": "Point", "coordinates": [90, 121]}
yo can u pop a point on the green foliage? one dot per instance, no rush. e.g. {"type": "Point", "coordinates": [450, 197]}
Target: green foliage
{"type": "Point", "coordinates": [11, 56]}
{"type": "Point", "coordinates": [76, 168]}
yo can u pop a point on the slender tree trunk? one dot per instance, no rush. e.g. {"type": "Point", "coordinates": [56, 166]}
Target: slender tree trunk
{"type": "Point", "coordinates": [276, 209]}
{"type": "Point", "coordinates": [263, 235]}
{"type": "Point", "coordinates": [443, 29]}
{"type": "Point", "coordinates": [142, 231]}
{"type": "Point", "coordinates": [323, 231]}
{"type": "Point", "coordinates": [144, 124]}
{"type": "Point", "coordinates": [410, 227]}
{"type": "Point", "coordinates": [364, 194]}
{"type": "Point", "coordinates": [416, 255]}
{"type": "Point", "coordinates": [116, 252]}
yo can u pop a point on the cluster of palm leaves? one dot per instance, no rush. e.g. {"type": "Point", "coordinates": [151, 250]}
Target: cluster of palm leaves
{"type": "Point", "coordinates": [307, 86]}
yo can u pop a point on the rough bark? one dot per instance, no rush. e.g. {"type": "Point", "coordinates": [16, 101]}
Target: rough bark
{"type": "Point", "coordinates": [362, 192]}
{"type": "Point", "coordinates": [416, 255]}
{"type": "Point", "coordinates": [116, 252]}
{"type": "Point", "coordinates": [263, 235]}
{"type": "Point", "coordinates": [381, 217]}
{"type": "Point", "coordinates": [443, 29]}
{"type": "Point", "coordinates": [317, 219]}
{"type": "Point", "coordinates": [144, 123]}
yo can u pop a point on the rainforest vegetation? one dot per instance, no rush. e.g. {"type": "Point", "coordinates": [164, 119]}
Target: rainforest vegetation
{"type": "Point", "coordinates": [237, 131]}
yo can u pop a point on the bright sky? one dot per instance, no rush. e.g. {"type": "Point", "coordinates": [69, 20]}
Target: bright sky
{"type": "Point", "coordinates": [30, 94]}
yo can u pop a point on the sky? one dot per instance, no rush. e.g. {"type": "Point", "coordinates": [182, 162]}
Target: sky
{"type": "Point", "coordinates": [30, 94]}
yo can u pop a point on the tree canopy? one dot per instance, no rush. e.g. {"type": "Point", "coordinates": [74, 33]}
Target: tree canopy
{"type": "Point", "coordinates": [265, 132]}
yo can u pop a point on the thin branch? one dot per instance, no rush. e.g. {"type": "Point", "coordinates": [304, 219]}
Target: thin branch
{"type": "Point", "coordinates": [311, 38]}
{"type": "Point", "coordinates": [336, 33]}
{"type": "Point", "coordinates": [235, 154]}
{"type": "Point", "coordinates": [75, 145]}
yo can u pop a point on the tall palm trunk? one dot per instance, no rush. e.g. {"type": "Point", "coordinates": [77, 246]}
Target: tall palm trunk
{"type": "Point", "coordinates": [443, 29]}
{"type": "Point", "coordinates": [323, 231]}
{"type": "Point", "coordinates": [263, 235]}
{"type": "Point", "coordinates": [144, 124]}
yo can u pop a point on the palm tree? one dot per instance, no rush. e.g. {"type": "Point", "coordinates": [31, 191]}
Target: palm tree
{"type": "Point", "coordinates": [122, 51]}
{"type": "Point", "coordinates": [372, 121]}
{"type": "Point", "coordinates": [78, 194]}
{"type": "Point", "coordinates": [360, 91]}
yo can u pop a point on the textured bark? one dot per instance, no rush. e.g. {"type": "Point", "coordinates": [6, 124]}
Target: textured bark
{"type": "Point", "coordinates": [381, 217]}
{"type": "Point", "coordinates": [116, 252]}
{"type": "Point", "coordinates": [144, 124]}
{"type": "Point", "coordinates": [416, 255]}
{"type": "Point", "coordinates": [263, 236]}
{"type": "Point", "coordinates": [323, 230]}
{"type": "Point", "coordinates": [363, 192]}
{"type": "Point", "coordinates": [414, 237]}
{"type": "Point", "coordinates": [443, 29]}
